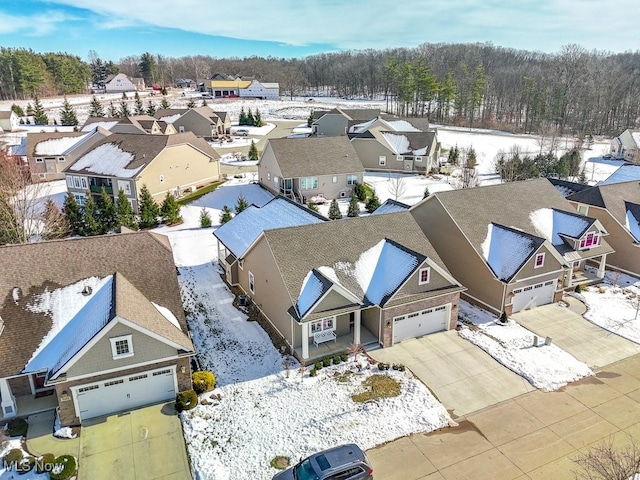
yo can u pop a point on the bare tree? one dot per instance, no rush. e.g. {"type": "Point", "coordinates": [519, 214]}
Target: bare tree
{"type": "Point", "coordinates": [397, 186]}
{"type": "Point", "coordinates": [604, 462]}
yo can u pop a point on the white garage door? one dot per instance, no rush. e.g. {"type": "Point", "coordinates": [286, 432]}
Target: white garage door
{"type": "Point", "coordinates": [124, 393]}
{"type": "Point", "coordinates": [420, 323]}
{"type": "Point", "coordinates": [533, 295]}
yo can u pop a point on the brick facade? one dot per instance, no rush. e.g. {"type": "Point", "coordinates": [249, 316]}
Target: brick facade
{"type": "Point", "coordinates": [20, 386]}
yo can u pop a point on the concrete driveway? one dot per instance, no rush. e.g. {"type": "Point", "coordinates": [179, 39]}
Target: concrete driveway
{"type": "Point", "coordinates": [584, 340]}
{"type": "Point", "coordinates": [462, 376]}
{"type": "Point", "coordinates": [142, 444]}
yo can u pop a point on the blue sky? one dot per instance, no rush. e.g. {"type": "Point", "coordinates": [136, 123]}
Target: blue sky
{"type": "Point", "coordinates": [297, 28]}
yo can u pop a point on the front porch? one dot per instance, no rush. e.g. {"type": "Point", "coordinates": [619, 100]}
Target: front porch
{"type": "Point", "coordinates": [342, 343]}
{"type": "Point", "coordinates": [26, 405]}
{"type": "Point", "coordinates": [586, 271]}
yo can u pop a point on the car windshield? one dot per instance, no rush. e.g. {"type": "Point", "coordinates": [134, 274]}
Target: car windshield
{"type": "Point", "coordinates": [304, 471]}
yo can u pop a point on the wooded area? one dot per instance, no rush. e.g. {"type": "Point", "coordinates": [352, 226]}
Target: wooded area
{"type": "Point", "coordinates": [481, 85]}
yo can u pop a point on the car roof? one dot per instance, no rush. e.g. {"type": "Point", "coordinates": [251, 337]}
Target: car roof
{"type": "Point", "coordinates": [339, 456]}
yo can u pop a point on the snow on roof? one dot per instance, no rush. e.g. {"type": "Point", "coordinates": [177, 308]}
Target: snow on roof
{"type": "Point", "coordinates": [390, 206]}
{"type": "Point", "coordinates": [106, 125]}
{"type": "Point", "coordinates": [550, 223]}
{"type": "Point", "coordinates": [361, 127]}
{"type": "Point", "coordinates": [624, 173]}
{"type": "Point", "coordinates": [75, 319]}
{"type": "Point", "coordinates": [166, 313]}
{"type": "Point", "coordinates": [398, 143]}
{"type": "Point", "coordinates": [107, 159]}
{"type": "Point", "coordinates": [633, 220]}
{"type": "Point", "coordinates": [241, 231]}
{"type": "Point", "coordinates": [636, 137]}
{"type": "Point", "coordinates": [391, 266]}
{"type": "Point", "coordinates": [402, 126]}
{"type": "Point", "coordinates": [311, 290]}
{"type": "Point", "coordinates": [57, 146]}
{"type": "Point", "coordinates": [171, 118]}
{"type": "Point", "coordinates": [505, 250]}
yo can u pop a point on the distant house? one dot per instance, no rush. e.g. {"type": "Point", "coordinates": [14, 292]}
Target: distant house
{"type": "Point", "coordinates": [306, 169]}
{"type": "Point", "coordinates": [185, 83]}
{"type": "Point", "coordinates": [141, 124]}
{"type": "Point", "coordinates": [337, 121]}
{"type": "Point", "coordinates": [97, 328]}
{"type": "Point", "coordinates": [203, 122]}
{"type": "Point", "coordinates": [264, 91]}
{"type": "Point", "coordinates": [9, 121]}
{"type": "Point", "coordinates": [242, 87]}
{"type": "Point", "coordinates": [122, 83]}
{"type": "Point", "coordinates": [627, 146]}
{"type": "Point", "coordinates": [174, 164]}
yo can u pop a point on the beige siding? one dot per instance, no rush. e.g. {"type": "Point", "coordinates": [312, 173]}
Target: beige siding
{"type": "Point", "coordinates": [268, 170]}
{"type": "Point", "coordinates": [332, 301]}
{"type": "Point", "coordinates": [327, 188]}
{"type": "Point", "coordinates": [370, 319]}
{"type": "Point", "coordinates": [369, 151]}
{"type": "Point", "coordinates": [194, 122]}
{"type": "Point", "coordinates": [100, 357]}
{"type": "Point", "coordinates": [331, 125]}
{"type": "Point", "coordinates": [552, 268]}
{"type": "Point", "coordinates": [412, 286]}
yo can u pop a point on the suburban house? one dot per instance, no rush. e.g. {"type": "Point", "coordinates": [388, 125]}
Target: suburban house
{"type": "Point", "coordinates": [185, 83]}
{"type": "Point", "coordinates": [176, 164]}
{"type": "Point", "coordinates": [9, 121]}
{"type": "Point", "coordinates": [617, 207]}
{"type": "Point", "coordinates": [515, 245]}
{"type": "Point", "coordinates": [122, 83]}
{"type": "Point", "coordinates": [324, 285]}
{"type": "Point", "coordinates": [48, 154]}
{"type": "Point", "coordinates": [394, 145]}
{"type": "Point", "coordinates": [624, 173]}
{"type": "Point", "coordinates": [219, 87]}
{"type": "Point", "coordinates": [261, 90]}
{"type": "Point", "coordinates": [336, 121]}
{"type": "Point", "coordinates": [97, 328]}
{"type": "Point", "coordinates": [169, 115]}
{"type": "Point", "coordinates": [203, 122]}
{"type": "Point", "coordinates": [627, 145]}
{"type": "Point", "coordinates": [141, 124]}
{"type": "Point", "coordinates": [310, 169]}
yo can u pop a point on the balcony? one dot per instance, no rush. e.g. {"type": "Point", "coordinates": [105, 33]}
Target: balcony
{"type": "Point", "coordinates": [98, 189]}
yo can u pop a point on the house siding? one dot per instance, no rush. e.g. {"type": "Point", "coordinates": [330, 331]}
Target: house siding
{"type": "Point", "coordinates": [332, 301]}
{"type": "Point", "coordinates": [268, 169]}
{"type": "Point", "coordinates": [327, 188]}
{"type": "Point", "coordinates": [412, 286]}
{"type": "Point", "coordinates": [370, 150]}
{"type": "Point", "coordinates": [331, 125]}
{"type": "Point", "coordinates": [192, 121]}
{"type": "Point", "coordinates": [370, 319]}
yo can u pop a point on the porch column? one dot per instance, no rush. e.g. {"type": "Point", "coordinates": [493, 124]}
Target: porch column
{"type": "Point", "coordinates": [602, 265]}
{"type": "Point", "coordinates": [356, 327]}
{"type": "Point", "coordinates": [9, 408]}
{"type": "Point", "coordinates": [305, 340]}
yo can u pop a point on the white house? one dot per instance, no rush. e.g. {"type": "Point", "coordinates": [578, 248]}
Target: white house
{"type": "Point", "coordinates": [123, 83]}
{"type": "Point", "coordinates": [267, 91]}
{"type": "Point", "coordinates": [9, 121]}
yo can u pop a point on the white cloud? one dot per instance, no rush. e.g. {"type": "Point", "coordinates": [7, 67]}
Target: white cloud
{"type": "Point", "coordinates": [41, 24]}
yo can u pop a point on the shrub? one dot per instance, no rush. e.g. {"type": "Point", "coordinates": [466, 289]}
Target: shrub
{"type": "Point", "coordinates": [44, 460]}
{"type": "Point", "coordinates": [13, 456]}
{"type": "Point", "coordinates": [64, 467]}
{"type": "Point", "coordinates": [399, 367]}
{"type": "Point", "coordinates": [383, 366]}
{"type": "Point", "coordinates": [17, 427]}
{"type": "Point", "coordinates": [26, 465]}
{"type": "Point", "coordinates": [205, 218]}
{"type": "Point", "coordinates": [313, 372]}
{"type": "Point", "coordinates": [203, 381]}
{"type": "Point", "coordinates": [344, 357]}
{"type": "Point", "coordinates": [503, 317]}
{"type": "Point", "coordinates": [186, 400]}
{"type": "Point", "coordinates": [279, 462]}
{"type": "Point", "coordinates": [337, 360]}
{"type": "Point", "coordinates": [326, 362]}
{"type": "Point", "coordinates": [317, 365]}
{"type": "Point", "coordinates": [601, 290]}
{"type": "Point", "coordinates": [377, 387]}
{"type": "Point", "coordinates": [578, 288]}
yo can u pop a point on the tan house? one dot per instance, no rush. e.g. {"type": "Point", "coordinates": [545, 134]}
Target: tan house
{"type": "Point", "coordinates": [141, 124]}
{"type": "Point", "coordinates": [323, 286]}
{"type": "Point", "coordinates": [310, 169]}
{"type": "Point", "coordinates": [96, 329]}
{"type": "Point", "coordinates": [617, 207]}
{"type": "Point", "coordinates": [516, 245]}
{"type": "Point", "coordinates": [337, 121]}
{"type": "Point", "coordinates": [203, 122]}
{"type": "Point", "coordinates": [175, 164]}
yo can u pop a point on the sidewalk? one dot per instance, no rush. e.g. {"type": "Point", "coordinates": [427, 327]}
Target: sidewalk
{"type": "Point", "coordinates": [40, 439]}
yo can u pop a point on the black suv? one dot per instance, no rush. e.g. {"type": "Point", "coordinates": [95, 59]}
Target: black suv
{"type": "Point", "coordinates": [347, 462]}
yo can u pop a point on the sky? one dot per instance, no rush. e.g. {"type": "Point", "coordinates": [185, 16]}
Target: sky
{"type": "Point", "coordinates": [115, 29]}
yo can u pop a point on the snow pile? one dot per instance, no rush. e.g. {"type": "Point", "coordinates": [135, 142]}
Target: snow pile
{"type": "Point", "coordinates": [402, 126]}
{"type": "Point", "coordinates": [92, 126]}
{"type": "Point", "coordinates": [168, 314]}
{"type": "Point", "coordinates": [107, 159]}
{"type": "Point", "coordinates": [9, 474]}
{"type": "Point", "coordinates": [398, 143]}
{"type": "Point", "coordinates": [57, 146]}
{"type": "Point", "coordinates": [547, 367]}
{"type": "Point", "coordinates": [62, 432]}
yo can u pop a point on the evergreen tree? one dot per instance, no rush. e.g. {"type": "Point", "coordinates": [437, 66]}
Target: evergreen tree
{"type": "Point", "coordinates": [112, 111]}
{"type": "Point", "coordinates": [29, 109]}
{"type": "Point", "coordinates": [241, 204]}
{"type": "Point", "coordinates": [106, 211]}
{"type": "Point", "coordinates": [454, 156]}
{"type": "Point", "coordinates": [90, 224]}
{"type": "Point", "coordinates": [253, 152]}
{"type": "Point", "coordinates": [124, 212]}
{"type": "Point", "coordinates": [18, 109]}
{"type": "Point", "coordinates": [138, 106]}
{"type": "Point", "coordinates": [73, 214]}
{"type": "Point", "coordinates": [582, 178]}
{"type": "Point", "coordinates": [38, 112]}
{"type": "Point", "coordinates": [354, 207]}
{"type": "Point", "coordinates": [310, 119]}
{"type": "Point", "coordinates": [243, 117]}
{"type": "Point", "coordinates": [225, 215]}
{"type": "Point", "coordinates": [204, 102]}
{"type": "Point", "coordinates": [164, 103]}
{"type": "Point", "coordinates": [205, 218]}
{"type": "Point", "coordinates": [54, 223]}
{"type": "Point", "coordinates": [360, 191]}
{"type": "Point", "coordinates": [334, 210]}
{"type": "Point", "coordinates": [250, 120]}
{"type": "Point", "coordinates": [124, 108]}
{"type": "Point", "coordinates": [471, 159]}
{"type": "Point", "coordinates": [95, 108]}
{"type": "Point", "coordinates": [258, 119]}
{"type": "Point", "coordinates": [372, 203]}
{"type": "Point", "coordinates": [313, 207]}
{"type": "Point", "coordinates": [148, 209]}
{"type": "Point", "coordinates": [191, 103]}
{"type": "Point", "coordinates": [151, 108]}
{"type": "Point", "coordinates": [170, 210]}
{"type": "Point", "coordinates": [426, 192]}
{"type": "Point", "coordinates": [68, 115]}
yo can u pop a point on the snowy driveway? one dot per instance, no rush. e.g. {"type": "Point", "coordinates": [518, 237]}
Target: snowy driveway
{"type": "Point", "coordinates": [587, 342]}
{"type": "Point", "coordinates": [461, 375]}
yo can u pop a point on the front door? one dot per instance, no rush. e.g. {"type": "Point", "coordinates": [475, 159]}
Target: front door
{"type": "Point", "coordinates": [38, 380]}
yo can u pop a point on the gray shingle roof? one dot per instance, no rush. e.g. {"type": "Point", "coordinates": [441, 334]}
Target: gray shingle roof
{"type": "Point", "coordinates": [610, 196]}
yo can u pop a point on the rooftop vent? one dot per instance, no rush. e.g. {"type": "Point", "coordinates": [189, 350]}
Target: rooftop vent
{"type": "Point", "coordinates": [86, 291]}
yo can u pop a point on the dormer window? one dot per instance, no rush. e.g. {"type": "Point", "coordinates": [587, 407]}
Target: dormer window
{"type": "Point", "coordinates": [591, 240]}
{"type": "Point", "coordinates": [539, 260]}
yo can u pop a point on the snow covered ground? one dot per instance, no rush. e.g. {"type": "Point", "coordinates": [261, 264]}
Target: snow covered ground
{"type": "Point", "coordinates": [9, 474]}
{"type": "Point", "coordinates": [547, 367]}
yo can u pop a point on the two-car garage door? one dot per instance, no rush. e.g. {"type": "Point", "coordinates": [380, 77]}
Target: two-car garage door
{"type": "Point", "coordinates": [420, 323]}
{"type": "Point", "coordinates": [124, 393]}
{"type": "Point", "coordinates": [533, 295]}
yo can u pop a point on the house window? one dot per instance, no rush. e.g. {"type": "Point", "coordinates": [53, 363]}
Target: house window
{"type": "Point", "coordinates": [161, 178]}
{"type": "Point", "coordinates": [308, 183]}
{"type": "Point", "coordinates": [424, 275]}
{"type": "Point", "coordinates": [334, 179]}
{"type": "Point", "coordinates": [539, 260]}
{"type": "Point", "coordinates": [268, 175]}
{"type": "Point", "coordinates": [352, 179]}
{"type": "Point", "coordinates": [323, 324]}
{"type": "Point", "coordinates": [382, 160]}
{"type": "Point", "coordinates": [39, 160]}
{"type": "Point", "coordinates": [86, 389]}
{"type": "Point", "coordinates": [583, 209]}
{"type": "Point", "coordinates": [80, 198]}
{"type": "Point", "coordinates": [252, 283]}
{"type": "Point", "coordinates": [399, 158]}
{"type": "Point", "coordinates": [418, 159]}
{"type": "Point", "coordinates": [590, 241]}
{"type": "Point", "coordinates": [121, 347]}
{"type": "Point", "coordinates": [125, 186]}
{"type": "Point", "coordinates": [275, 181]}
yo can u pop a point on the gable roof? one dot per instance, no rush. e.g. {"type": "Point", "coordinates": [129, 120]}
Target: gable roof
{"type": "Point", "coordinates": [567, 188]}
{"type": "Point", "coordinates": [169, 114]}
{"type": "Point", "coordinates": [311, 156]}
{"type": "Point", "coordinates": [105, 122]}
{"type": "Point", "coordinates": [632, 211]}
{"type": "Point", "coordinates": [52, 143]}
{"type": "Point", "coordinates": [63, 263]}
{"type": "Point", "coordinates": [624, 173]}
{"type": "Point", "coordinates": [238, 234]}
{"type": "Point", "coordinates": [409, 143]}
{"type": "Point", "coordinates": [390, 205]}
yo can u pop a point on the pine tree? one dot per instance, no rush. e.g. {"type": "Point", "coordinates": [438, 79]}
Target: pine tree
{"type": "Point", "coordinates": [90, 224]}
{"type": "Point", "coordinates": [225, 215]}
{"type": "Point", "coordinates": [68, 115]}
{"type": "Point", "coordinates": [354, 207]}
{"type": "Point", "coordinates": [73, 214]}
{"type": "Point", "coordinates": [29, 110]}
{"type": "Point", "coordinates": [112, 111]}
{"type": "Point", "coordinates": [137, 102]}
{"type": "Point", "coordinates": [426, 192]}
{"type": "Point", "coordinates": [54, 223]}
{"type": "Point", "coordinates": [310, 119]}
{"type": "Point", "coordinates": [313, 207]}
{"type": "Point", "coordinates": [582, 178]}
{"type": "Point", "coordinates": [243, 117]}
{"type": "Point", "coordinates": [253, 152]}
{"type": "Point", "coordinates": [164, 103]}
{"type": "Point", "coordinates": [95, 108]}
{"type": "Point", "coordinates": [124, 212]}
{"type": "Point", "coordinates": [191, 103]}
{"type": "Point", "coordinates": [205, 218]}
{"type": "Point", "coordinates": [204, 102]}
{"type": "Point", "coordinates": [250, 120]}
{"type": "Point", "coordinates": [38, 112]}
{"type": "Point", "coordinates": [372, 203]}
{"type": "Point", "coordinates": [106, 211]}
{"type": "Point", "coordinates": [148, 209]}
{"type": "Point", "coordinates": [258, 119]}
{"type": "Point", "coordinates": [360, 191]}
{"type": "Point", "coordinates": [241, 204]}
{"type": "Point", "coordinates": [334, 210]}
{"type": "Point", "coordinates": [124, 108]}
{"type": "Point", "coordinates": [151, 108]}
{"type": "Point", "coordinates": [170, 210]}
{"type": "Point", "coordinates": [18, 109]}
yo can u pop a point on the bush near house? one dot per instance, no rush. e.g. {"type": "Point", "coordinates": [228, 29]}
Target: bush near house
{"type": "Point", "coordinates": [203, 381]}
{"type": "Point", "coordinates": [13, 456]}
{"type": "Point", "coordinates": [17, 427]}
{"type": "Point", "coordinates": [64, 467]}
{"type": "Point", "coordinates": [44, 460]}
{"type": "Point", "coordinates": [186, 400]}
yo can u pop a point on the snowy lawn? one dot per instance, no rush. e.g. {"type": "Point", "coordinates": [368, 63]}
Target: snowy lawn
{"type": "Point", "coordinates": [620, 290]}
{"type": "Point", "coordinates": [264, 409]}
{"type": "Point", "coordinates": [547, 367]}
{"type": "Point", "coordinates": [236, 159]}
{"type": "Point", "coordinates": [10, 474]}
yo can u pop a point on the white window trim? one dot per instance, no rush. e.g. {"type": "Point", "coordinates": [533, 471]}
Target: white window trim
{"type": "Point", "coordinates": [323, 325]}
{"type": "Point", "coordinates": [382, 160]}
{"type": "Point", "coordinates": [352, 179]}
{"type": "Point", "coordinates": [114, 351]}
{"type": "Point", "coordinates": [334, 179]}
{"type": "Point", "coordinates": [399, 158]}
{"type": "Point", "coordinates": [252, 283]}
{"type": "Point", "coordinates": [535, 262]}
{"type": "Point", "coordinates": [428, 269]}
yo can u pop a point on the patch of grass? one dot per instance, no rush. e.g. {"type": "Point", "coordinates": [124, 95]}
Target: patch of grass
{"type": "Point", "coordinates": [187, 199]}
{"type": "Point", "coordinates": [279, 462]}
{"type": "Point", "coordinates": [344, 378]}
{"type": "Point", "coordinates": [17, 427]}
{"type": "Point", "coordinates": [378, 386]}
